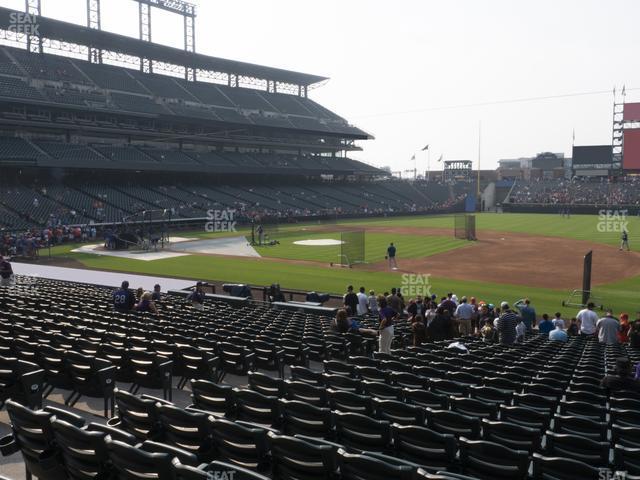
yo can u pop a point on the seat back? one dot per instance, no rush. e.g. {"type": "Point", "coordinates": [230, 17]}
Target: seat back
{"type": "Point", "coordinates": [525, 417]}
{"type": "Point", "coordinates": [293, 458]}
{"type": "Point", "coordinates": [488, 459]}
{"type": "Point", "coordinates": [401, 413]}
{"type": "Point", "coordinates": [579, 448]}
{"type": "Point", "coordinates": [303, 374]}
{"type": "Point", "coordinates": [361, 432]}
{"type": "Point", "coordinates": [187, 430]}
{"type": "Point", "coordinates": [131, 462]}
{"type": "Point", "coordinates": [445, 421]}
{"type": "Point", "coordinates": [135, 415]}
{"type": "Point", "coordinates": [516, 437]}
{"type": "Point", "coordinates": [350, 402]}
{"type": "Point", "coordinates": [563, 468]}
{"type": "Point", "coordinates": [627, 459]}
{"type": "Point", "coordinates": [33, 435]}
{"type": "Point", "coordinates": [266, 385]}
{"type": "Point", "coordinates": [428, 448]}
{"type": "Point", "coordinates": [212, 397]}
{"type": "Point", "coordinates": [305, 393]}
{"type": "Point", "coordinates": [341, 382]}
{"type": "Point", "coordinates": [22, 382]}
{"type": "Point", "coordinates": [238, 444]}
{"type": "Point", "coordinates": [580, 426]}
{"type": "Point", "coordinates": [409, 380]}
{"type": "Point", "coordinates": [301, 418]}
{"type": "Point", "coordinates": [339, 368]}
{"type": "Point", "coordinates": [382, 390]}
{"type": "Point", "coordinates": [363, 467]}
{"type": "Point", "coordinates": [425, 398]}
{"type": "Point", "coordinates": [84, 450]}
{"type": "Point", "coordinates": [255, 407]}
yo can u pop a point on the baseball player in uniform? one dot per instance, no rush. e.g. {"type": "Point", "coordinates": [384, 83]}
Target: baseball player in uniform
{"type": "Point", "coordinates": [624, 241]}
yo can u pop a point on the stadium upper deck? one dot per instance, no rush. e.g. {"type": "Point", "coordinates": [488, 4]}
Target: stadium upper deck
{"type": "Point", "coordinates": [77, 103]}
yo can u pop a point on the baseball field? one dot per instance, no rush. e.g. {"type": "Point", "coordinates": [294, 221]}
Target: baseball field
{"type": "Point", "coordinates": [516, 255]}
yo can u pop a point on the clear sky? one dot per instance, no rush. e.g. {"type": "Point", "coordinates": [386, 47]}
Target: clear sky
{"type": "Point", "coordinates": [412, 72]}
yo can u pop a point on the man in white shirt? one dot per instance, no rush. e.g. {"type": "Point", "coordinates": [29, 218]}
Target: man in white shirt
{"type": "Point", "coordinates": [588, 319]}
{"type": "Point", "coordinates": [363, 306]}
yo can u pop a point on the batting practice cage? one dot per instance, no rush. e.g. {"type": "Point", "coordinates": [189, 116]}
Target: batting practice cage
{"type": "Point", "coordinates": [147, 230]}
{"type": "Point", "coordinates": [265, 234]}
{"type": "Point", "coordinates": [465, 227]}
{"type": "Point", "coordinates": [351, 248]}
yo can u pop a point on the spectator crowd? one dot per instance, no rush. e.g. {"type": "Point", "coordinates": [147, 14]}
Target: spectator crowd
{"type": "Point", "coordinates": [433, 319]}
{"type": "Point", "coordinates": [624, 191]}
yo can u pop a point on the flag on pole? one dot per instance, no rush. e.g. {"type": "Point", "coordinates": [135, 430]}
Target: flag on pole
{"type": "Point", "coordinates": [413, 157]}
{"type": "Point", "coordinates": [624, 90]}
{"type": "Point", "coordinates": [426, 147]}
{"type": "Point", "coordinates": [440, 159]}
{"type": "Point", "coordinates": [574, 136]}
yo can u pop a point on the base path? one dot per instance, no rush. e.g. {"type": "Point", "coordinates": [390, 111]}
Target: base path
{"type": "Point", "coordinates": [520, 259]}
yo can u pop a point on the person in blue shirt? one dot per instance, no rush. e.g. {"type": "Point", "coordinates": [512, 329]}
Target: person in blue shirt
{"type": "Point", "coordinates": [146, 304]}
{"type": "Point", "coordinates": [558, 334]}
{"type": "Point", "coordinates": [527, 312]}
{"type": "Point", "coordinates": [197, 297]}
{"type": "Point", "coordinates": [391, 255]}
{"type": "Point", "coordinates": [546, 325]}
{"type": "Point", "coordinates": [123, 299]}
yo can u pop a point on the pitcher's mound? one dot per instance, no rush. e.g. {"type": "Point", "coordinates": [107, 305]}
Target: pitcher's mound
{"type": "Point", "coordinates": [319, 242]}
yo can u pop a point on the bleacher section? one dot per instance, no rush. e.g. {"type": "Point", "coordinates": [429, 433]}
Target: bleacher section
{"type": "Point", "coordinates": [48, 67]}
{"type": "Point", "coordinates": [577, 192]}
{"type": "Point", "coordinates": [124, 154]}
{"type": "Point", "coordinates": [38, 208]}
{"type": "Point", "coordinates": [109, 87]}
{"type": "Point", "coordinates": [16, 148]}
{"type": "Point", "coordinates": [82, 154]}
{"type": "Point", "coordinates": [109, 201]}
{"type": "Point", "coordinates": [16, 88]}
{"type": "Point", "coordinates": [283, 395]}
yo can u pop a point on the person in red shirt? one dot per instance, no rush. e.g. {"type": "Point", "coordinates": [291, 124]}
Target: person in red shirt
{"type": "Point", "coordinates": [623, 334]}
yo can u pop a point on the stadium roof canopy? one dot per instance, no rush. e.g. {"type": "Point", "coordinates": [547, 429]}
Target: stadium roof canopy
{"type": "Point", "coordinates": [68, 32]}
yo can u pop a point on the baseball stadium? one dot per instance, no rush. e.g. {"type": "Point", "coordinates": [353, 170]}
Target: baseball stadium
{"type": "Point", "coordinates": [230, 199]}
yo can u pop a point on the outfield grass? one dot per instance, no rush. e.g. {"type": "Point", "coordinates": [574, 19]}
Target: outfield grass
{"type": "Point", "coordinates": [579, 227]}
{"type": "Point", "coordinates": [622, 296]}
{"type": "Point", "coordinates": [409, 246]}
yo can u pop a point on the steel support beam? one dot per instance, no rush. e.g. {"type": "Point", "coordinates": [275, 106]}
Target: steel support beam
{"type": "Point", "coordinates": [189, 43]}
{"type": "Point", "coordinates": [94, 22]}
{"type": "Point", "coordinates": [34, 43]}
{"type": "Point", "coordinates": [144, 18]}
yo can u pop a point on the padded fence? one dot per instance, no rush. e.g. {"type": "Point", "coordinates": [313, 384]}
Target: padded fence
{"type": "Point", "coordinates": [352, 247]}
{"type": "Point", "coordinates": [465, 227]}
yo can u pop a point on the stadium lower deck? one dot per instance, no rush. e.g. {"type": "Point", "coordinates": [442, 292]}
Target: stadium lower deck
{"type": "Point", "coordinates": [75, 202]}
{"type": "Point", "coordinates": [200, 394]}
